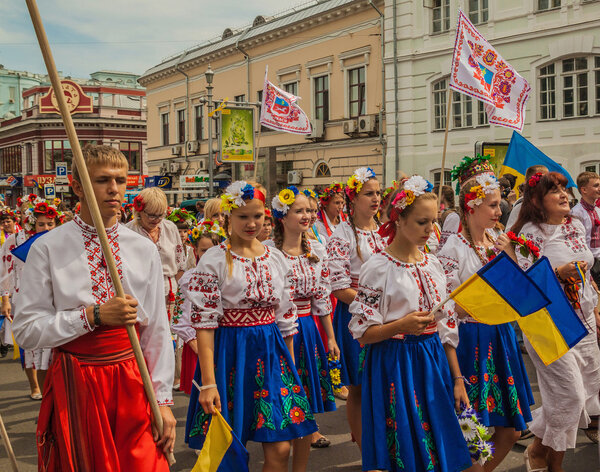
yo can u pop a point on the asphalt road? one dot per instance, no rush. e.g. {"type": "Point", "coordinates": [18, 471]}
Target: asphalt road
{"type": "Point", "coordinates": [19, 414]}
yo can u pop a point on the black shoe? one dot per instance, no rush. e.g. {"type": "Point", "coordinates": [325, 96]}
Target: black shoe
{"type": "Point", "coordinates": [3, 350]}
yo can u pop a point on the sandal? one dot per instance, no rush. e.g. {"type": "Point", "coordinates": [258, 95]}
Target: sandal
{"type": "Point", "coordinates": [321, 443]}
{"type": "Point", "coordinates": [528, 464]}
{"type": "Point", "coordinates": [35, 396]}
{"type": "Point", "coordinates": [592, 434]}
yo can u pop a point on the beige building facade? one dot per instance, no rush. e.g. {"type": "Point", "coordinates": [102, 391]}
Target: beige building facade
{"type": "Point", "coordinates": [328, 53]}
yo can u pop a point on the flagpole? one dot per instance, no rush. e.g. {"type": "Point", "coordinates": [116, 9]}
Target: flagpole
{"type": "Point", "coordinates": [9, 449]}
{"type": "Point", "coordinates": [449, 100]}
{"type": "Point", "coordinates": [257, 151]}
{"type": "Point", "coordinates": [92, 204]}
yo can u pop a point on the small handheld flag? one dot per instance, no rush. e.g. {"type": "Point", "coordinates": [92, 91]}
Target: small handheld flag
{"type": "Point", "coordinates": [22, 250]}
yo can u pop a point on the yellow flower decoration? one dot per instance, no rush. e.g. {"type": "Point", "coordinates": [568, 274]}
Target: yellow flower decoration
{"type": "Point", "coordinates": [195, 233]}
{"type": "Point", "coordinates": [226, 204]}
{"type": "Point", "coordinates": [410, 197]}
{"type": "Point", "coordinates": [479, 192]}
{"type": "Point", "coordinates": [287, 197]}
{"type": "Point", "coordinates": [354, 184]}
{"type": "Point", "coordinates": [56, 201]}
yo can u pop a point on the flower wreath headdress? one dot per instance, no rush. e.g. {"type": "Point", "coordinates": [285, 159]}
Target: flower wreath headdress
{"type": "Point", "coordinates": [535, 179]}
{"type": "Point", "coordinates": [179, 215]}
{"type": "Point", "coordinates": [309, 193]}
{"type": "Point", "coordinates": [7, 212]}
{"type": "Point", "coordinates": [282, 202]}
{"type": "Point", "coordinates": [470, 167]}
{"type": "Point", "coordinates": [237, 193]}
{"type": "Point", "coordinates": [41, 208]}
{"type": "Point", "coordinates": [414, 187]}
{"type": "Point", "coordinates": [335, 189]}
{"type": "Point", "coordinates": [357, 180]}
{"type": "Point", "coordinates": [487, 183]}
{"type": "Point", "coordinates": [205, 228]}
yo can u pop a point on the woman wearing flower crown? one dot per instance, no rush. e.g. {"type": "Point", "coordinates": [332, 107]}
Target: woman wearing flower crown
{"type": "Point", "coordinates": [489, 357]}
{"type": "Point", "coordinates": [331, 210]}
{"type": "Point", "coordinates": [245, 322]}
{"type": "Point", "coordinates": [313, 232]}
{"type": "Point", "coordinates": [309, 279]}
{"type": "Point", "coordinates": [201, 238]}
{"type": "Point", "coordinates": [351, 245]}
{"type": "Point", "coordinates": [408, 393]}
{"type": "Point", "coordinates": [40, 216]}
{"type": "Point", "coordinates": [569, 386]}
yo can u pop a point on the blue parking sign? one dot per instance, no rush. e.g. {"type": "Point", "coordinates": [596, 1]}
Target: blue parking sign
{"type": "Point", "coordinates": [61, 169]}
{"type": "Point", "coordinates": [49, 191]}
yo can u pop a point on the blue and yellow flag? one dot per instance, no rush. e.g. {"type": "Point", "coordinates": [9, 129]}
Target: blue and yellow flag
{"type": "Point", "coordinates": [521, 155]}
{"type": "Point", "coordinates": [500, 292]}
{"type": "Point", "coordinates": [556, 328]}
{"type": "Point", "coordinates": [222, 451]}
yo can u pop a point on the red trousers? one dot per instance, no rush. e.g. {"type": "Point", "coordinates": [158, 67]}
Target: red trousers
{"type": "Point", "coordinates": [94, 415]}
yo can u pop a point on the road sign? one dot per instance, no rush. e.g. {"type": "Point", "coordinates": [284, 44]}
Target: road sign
{"type": "Point", "coordinates": [61, 173]}
{"type": "Point", "coordinates": [49, 191]}
{"type": "Point", "coordinates": [62, 189]}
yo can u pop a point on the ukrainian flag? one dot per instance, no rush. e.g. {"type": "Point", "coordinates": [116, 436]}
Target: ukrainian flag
{"type": "Point", "coordinates": [521, 155]}
{"type": "Point", "coordinates": [499, 293]}
{"type": "Point", "coordinates": [222, 451]}
{"type": "Point", "coordinates": [556, 328]}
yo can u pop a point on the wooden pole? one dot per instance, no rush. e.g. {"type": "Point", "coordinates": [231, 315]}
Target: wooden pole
{"type": "Point", "coordinates": [93, 207]}
{"type": "Point", "coordinates": [449, 99]}
{"type": "Point", "coordinates": [9, 449]}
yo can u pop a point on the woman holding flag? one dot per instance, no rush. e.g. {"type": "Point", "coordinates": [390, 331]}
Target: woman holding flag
{"type": "Point", "coordinates": [569, 386]}
{"type": "Point", "coordinates": [489, 356]}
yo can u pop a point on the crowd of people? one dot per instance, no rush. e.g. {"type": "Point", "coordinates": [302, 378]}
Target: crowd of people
{"type": "Point", "coordinates": [267, 308]}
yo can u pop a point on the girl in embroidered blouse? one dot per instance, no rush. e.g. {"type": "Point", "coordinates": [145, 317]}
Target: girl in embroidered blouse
{"type": "Point", "coordinates": [245, 322]}
{"type": "Point", "coordinates": [331, 208]}
{"type": "Point", "coordinates": [408, 395]}
{"type": "Point", "coordinates": [489, 357]}
{"type": "Point", "coordinates": [309, 279]}
{"type": "Point", "coordinates": [569, 386]}
{"type": "Point", "coordinates": [351, 245]}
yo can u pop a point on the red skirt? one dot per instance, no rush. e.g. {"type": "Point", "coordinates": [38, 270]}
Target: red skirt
{"type": "Point", "coordinates": [189, 359]}
{"type": "Point", "coordinates": [94, 415]}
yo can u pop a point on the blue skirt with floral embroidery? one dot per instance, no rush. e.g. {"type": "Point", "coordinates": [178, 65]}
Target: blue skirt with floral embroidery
{"type": "Point", "coordinates": [350, 348]}
{"type": "Point", "coordinates": [261, 395]}
{"type": "Point", "coordinates": [312, 366]}
{"type": "Point", "coordinates": [408, 399]}
{"type": "Point", "coordinates": [498, 386]}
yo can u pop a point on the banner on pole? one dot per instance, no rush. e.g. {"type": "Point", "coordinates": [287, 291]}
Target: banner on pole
{"type": "Point", "coordinates": [480, 72]}
{"type": "Point", "coordinates": [280, 111]}
{"type": "Point", "coordinates": [237, 134]}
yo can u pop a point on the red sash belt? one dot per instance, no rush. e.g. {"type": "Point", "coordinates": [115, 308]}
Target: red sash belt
{"type": "Point", "coordinates": [304, 306]}
{"type": "Point", "coordinates": [245, 317]}
{"type": "Point", "coordinates": [431, 328]}
{"type": "Point", "coordinates": [104, 345]}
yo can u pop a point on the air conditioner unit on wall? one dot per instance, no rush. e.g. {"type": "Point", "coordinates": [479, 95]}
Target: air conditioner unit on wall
{"type": "Point", "coordinates": [192, 147]}
{"type": "Point", "coordinates": [294, 177]}
{"type": "Point", "coordinates": [367, 124]}
{"type": "Point", "coordinates": [349, 126]}
{"type": "Point", "coordinates": [317, 129]}
{"type": "Point", "coordinates": [164, 168]}
{"type": "Point", "coordinates": [174, 167]}
{"type": "Point", "coordinates": [176, 150]}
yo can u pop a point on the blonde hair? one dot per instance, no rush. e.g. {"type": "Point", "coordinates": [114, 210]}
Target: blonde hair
{"type": "Point", "coordinates": [155, 201]}
{"type": "Point", "coordinates": [211, 208]}
{"type": "Point", "coordinates": [100, 155]}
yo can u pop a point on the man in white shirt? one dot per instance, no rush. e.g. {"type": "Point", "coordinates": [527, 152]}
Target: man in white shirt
{"type": "Point", "coordinates": [588, 184]}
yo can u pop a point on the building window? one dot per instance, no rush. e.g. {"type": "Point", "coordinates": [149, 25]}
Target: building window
{"type": "Point", "coordinates": [292, 88]}
{"type": "Point", "coordinates": [239, 98]}
{"type": "Point", "coordinates": [437, 174]}
{"type": "Point", "coordinates": [29, 158]}
{"type": "Point", "coordinates": [322, 170]}
{"type": "Point", "coordinates": [478, 11]}
{"type": "Point", "coordinates": [321, 85]}
{"type": "Point", "coordinates": [462, 112]}
{"type": "Point", "coordinates": [10, 160]}
{"type": "Point", "coordinates": [544, 5]}
{"type": "Point", "coordinates": [131, 150]}
{"type": "Point", "coordinates": [356, 91]}
{"type": "Point", "coordinates": [570, 88]}
{"type": "Point", "coordinates": [199, 122]}
{"type": "Point", "coordinates": [57, 151]}
{"type": "Point", "coordinates": [441, 16]}
{"type": "Point", "coordinates": [164, 120]}
{"type": "Point", "coordinates": [181, 126]}
{"type": "Point", "coordinates": [591, 167]}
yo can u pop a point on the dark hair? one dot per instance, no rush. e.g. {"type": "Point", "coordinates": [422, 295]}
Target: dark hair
{"type": "Point", "coordinates": [182, 225]}
{"type": "Point", "coordinates": [504, 182]}
{"type": "Point", "coordinates": [512, 180]}
{"type": "Point", "coordinates": [532, 209]}
{"type": "Point", "coordinates": [447, 194]}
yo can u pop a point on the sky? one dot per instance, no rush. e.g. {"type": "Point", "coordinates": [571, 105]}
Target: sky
{"type": "Point", "coordinates": [124, 35]}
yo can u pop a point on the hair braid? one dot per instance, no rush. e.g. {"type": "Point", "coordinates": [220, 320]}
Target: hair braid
{"type": "Point", "coordinates": [467, 231]}
{"type": "Point", "coordinates": [305, 244]}
{"type": "Point", "coordinates": [352, 225]}
{"type": "Point", "coordinates": [278, 233]}
{"type": "Point", "coordinates": [228, 256]}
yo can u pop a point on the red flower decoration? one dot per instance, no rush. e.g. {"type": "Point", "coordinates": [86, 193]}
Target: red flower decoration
{"type": "Point", "coordinates": [19, 201]}
{"type": "Point", "coordinates": [296, 388]}
{"type": "Point", "coordinates": [468, 197]}
{"type": "Point", "coordinates": [510, 381]}
{"type": "Point", "coordinates": [32, 197]}
{"type": "Point", "coordinates": [138, 204]}
{"type": "Point", "coordinates": [260, 421]}
{"type": "Point", "coordinates": [296, 415]}
{"type": "Point", "coordinates": [534, 179]}
{"type": "Point", "coordinates": [284, 392]}
{"type": "Point", "coordinates": [491, 404]}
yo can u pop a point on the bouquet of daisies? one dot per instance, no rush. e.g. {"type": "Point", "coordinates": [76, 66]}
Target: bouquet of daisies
{"type": "Point", "coordinates": [476, 435]}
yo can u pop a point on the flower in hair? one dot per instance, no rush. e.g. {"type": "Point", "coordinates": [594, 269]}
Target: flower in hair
{"type": "Point", "coordinates": [205, 228]}
{"type": "Point", "coordinates": [357, 180]}
{"type": "Point", "coordinates": [535, 179]}
{"type": "Point", "coordinates": [179, 215]}
{"type": "Point", "coordinates": [236, 195]}
{"type": "Point", "coordinates": [413, 188]}
{"type": "Point", "coordinates": [476, 195]}
{"type": "Point", "coordinates": [329, 192]}
{"type": "Point", "coordinates": [138, 204]}
{"type": "Point", "coordinates": [41, 208]}
{"type": "Point", "coordinates": [309, 193]}
{"type": "Point", "coordinates": [282, 202]}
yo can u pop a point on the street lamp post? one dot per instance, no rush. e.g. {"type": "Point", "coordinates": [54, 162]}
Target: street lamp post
{"type": "Point", "coordinates": [209, 75]}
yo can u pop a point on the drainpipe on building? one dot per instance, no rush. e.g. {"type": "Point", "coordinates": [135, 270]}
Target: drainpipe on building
{"type": "Point", "coordinates": [382, 107]}
{"type": "Point", "coordinates": [187, 108]}
{"type": "Point", "coordinates": [247, 57]}
{"type": "Point", "coordinates": [395, 40]}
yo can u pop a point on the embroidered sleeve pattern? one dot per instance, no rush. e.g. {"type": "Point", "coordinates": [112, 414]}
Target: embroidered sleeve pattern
{"type": "Point", "coordinates": [321, 302]}
{"type": "Point", "coordinates": [180, 258]}
{"type": "Point", "coordinates": [286, 316]}
{"type": "Point", "coordinates": [451, 267]}
{"type": "Point", "coordinates": [365, 309]}
{"type": "Point", "coordinates": [84, 319]}
{"type": "Point", "coordinates": [205, 296]}
{"type": "Point", "coordinates": [338, 260]}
